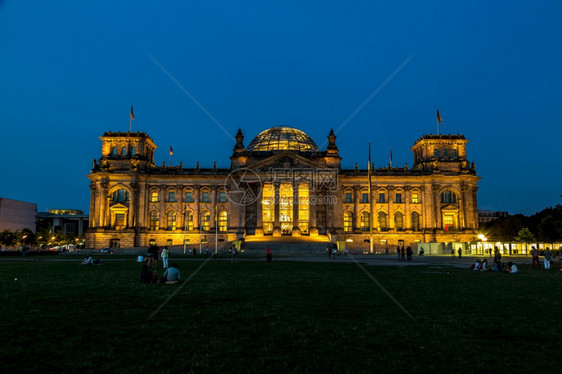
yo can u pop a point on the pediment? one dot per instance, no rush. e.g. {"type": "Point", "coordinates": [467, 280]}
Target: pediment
{"type": "Point", "coordinates": [118, 206]}
{"type": "Point", "coordinates": [285, 160]}
{"type": "Point", "coordinates": [450, 208]}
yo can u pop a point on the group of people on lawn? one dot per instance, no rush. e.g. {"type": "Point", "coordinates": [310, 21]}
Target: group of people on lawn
{"type": "Point", "coordinates": [171, 273]}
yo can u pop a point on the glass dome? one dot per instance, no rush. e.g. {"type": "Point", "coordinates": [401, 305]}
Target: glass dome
{"type": "Point", "coordinates": [281, 139]}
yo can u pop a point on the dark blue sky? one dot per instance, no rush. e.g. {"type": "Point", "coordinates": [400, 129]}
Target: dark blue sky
{"type": "Point", "coordinates": [69, 71]}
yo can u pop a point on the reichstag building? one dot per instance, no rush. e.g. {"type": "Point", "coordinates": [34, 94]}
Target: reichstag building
{"type": "Point", "coordinates": [281, 185]}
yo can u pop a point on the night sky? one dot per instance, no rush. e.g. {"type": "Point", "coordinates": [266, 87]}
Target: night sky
{"type": "Point", "coordinates": [70, 70]}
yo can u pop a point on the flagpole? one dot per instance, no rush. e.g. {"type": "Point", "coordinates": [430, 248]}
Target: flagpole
{"type": "Point", "coordinates": [130, 124]}
{"type": "Point", "coordinates": [370, 204]}
{"type": "Point", "coordinates": [184, 227]}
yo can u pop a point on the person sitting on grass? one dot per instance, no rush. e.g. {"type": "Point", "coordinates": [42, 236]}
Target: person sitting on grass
{"type": "Point", "coordinates": [477, 265]}
{"type": "Point", "coordinates": [88, 260]}
{"type": "Point", "coordinates": [511, 268]}
{"type": "Point", "coordinates": [147, 276]}
{"type": "Point", "coordinates": [171, 275]}
{"type": "Point", "coordinates": [484, 266]}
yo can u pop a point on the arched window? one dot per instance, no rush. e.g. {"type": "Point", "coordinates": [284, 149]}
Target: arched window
{"type": "Point", "coordinates": [124, 151]}
{"type": "Point", "coordinates": [171, 220]}
{"type": "Point", "coordinates": [154, 220]}
{"type": "Point", "coordinates": [415, 221]}
{"type": "Point", "coordinates": [133, 151]}
{"type": "Point", "coordinates": [120, 195]}
{"type": "Point", "coordinates": [223, 221]}
{"type": "Point", "coordinates": [365, 218]}
{"type": "Point", "coordinates": [205, 220]}
{"type": "Point", "coordinates": [114, 150]}
{"type": "Point", "coordinates": [383, 226]}
{"type": "Point", "coordinates": [399, 221]}
{"type": "Point", "coordinates": [348, 222]}
{"type": "Point", "coordinates": [189, 222]}
{"type": "Point", "coordinates": [448, 197]}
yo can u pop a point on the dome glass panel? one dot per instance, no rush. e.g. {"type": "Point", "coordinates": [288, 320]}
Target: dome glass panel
{"type": "Point", "coordinates": [281, 139]}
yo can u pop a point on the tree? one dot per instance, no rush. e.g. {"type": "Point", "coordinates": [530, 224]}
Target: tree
{"type": "Point", "coordinates": [547, 230]}
{"type": "Point", "coordinates": [7, 238]}
{"type": "Point", "coordinates": [526, 236]}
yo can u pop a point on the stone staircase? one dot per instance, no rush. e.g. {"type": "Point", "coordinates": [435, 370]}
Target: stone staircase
{"type": "Point", "coordinates": [287, 246]}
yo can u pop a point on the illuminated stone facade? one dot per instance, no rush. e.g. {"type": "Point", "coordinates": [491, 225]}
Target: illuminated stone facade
{"type": "Point", "coordinates": [282, 184]}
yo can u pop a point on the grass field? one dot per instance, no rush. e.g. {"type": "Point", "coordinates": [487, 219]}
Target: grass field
{"type": "Point", "coordinates": [277, 317]}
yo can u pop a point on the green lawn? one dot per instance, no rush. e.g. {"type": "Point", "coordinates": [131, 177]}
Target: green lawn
{"type": "Point", "coordinates": [277, 317]}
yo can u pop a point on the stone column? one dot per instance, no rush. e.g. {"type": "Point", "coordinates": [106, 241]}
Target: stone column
{"type": "Point", "coordinates": [407, 211]}
{"type": "Point", "coordinates": [313, 230]}
{"type": "Point", "coordinates": [197, 203]}
{"type": "Point", "coordinates": [276, 226]}
{"type": "Point", "coordinates": [214, 201]}
{"type": "Point", "coordinates": [391, 223]}
{"type": "Point", "coordinates": [93, 209]}
{"type": "Point", "coordinates": [356, 214]}
{"type": "Point", "coordinates": [103, 204]}
{"type": "Point", "coordinates": [296, 229]}
{"type": "Point", "coordinates": [259, 210]}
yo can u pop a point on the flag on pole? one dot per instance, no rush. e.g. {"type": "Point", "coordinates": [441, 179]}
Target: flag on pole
{"type": "Point", "coordinates": [390, 154]}
{"type": "Point", "coordinates": [132, 115]}
{"type": "Point", "coordinates": [171, 151]}
{"type": "Point", "coordinates": [439, 119]}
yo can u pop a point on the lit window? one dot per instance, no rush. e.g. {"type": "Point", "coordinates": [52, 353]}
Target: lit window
{"type": "Point", "coordinates": [454, 153]}
{"type": "Point", "coordinates": [206, 198]}
{"type": "Point", "coordinates": [114, 150]}
{"type": "Point", "coordinates": [448, 197]}
{"type": "Point", "coordinates": [399, 221]}
{"type": "Point", "coordinates": [444, 153]}
{"type": "Point", "coordinates": [171, 197]}
{"type": "Point", "coordinates": [415, 221]}
{"type": "Point", "coordinates": [435, 153]}
{"type": "Point", "coordinates": [399, 198]}
{"type": "Point", "coordinates": [348, 222]}
{"type": "Point", "coordinates": [124, 151]}
{"type": "Point", "coordinates": [223, 221]}
{"type": "Point", "coordinates": [382, 221]}
{"type": "Point", "coordinates": [222, 197]}
{"type": "Point", "coordinates": [189, 224]}
{"type": "Point", "coordinates": [348, 197]}
{"type": "Point", "coordinates": [205, 220]}
{"type": "Point", "coordinates": [381, 198]}
{"type": "Point", "coordinates": [171, 220]}
{"type": "Point", "coordinates": [133, 151]}
{"type": "Point", "coordinates": [448, 221]}
{"type": "Point", "coordinates": [415, 198]}
{"type": "Point", "coordinates": [154, 197]}
{"type": "Point", "coordinates": [189, 197]}
{"type": "Point", "coordinates": [120, 195]}
{"type": "Point", "coordinates": [119, 221]}
{"type": "Point", "coordinates": [365, 221]}
{"type": "Point", "coordinates": [364, 197]}
{"type": "Point", "coordinates": [154, 220]}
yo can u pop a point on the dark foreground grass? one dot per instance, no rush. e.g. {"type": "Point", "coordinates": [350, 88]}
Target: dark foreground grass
{"type": "Point", "coordinates": [277, 317]}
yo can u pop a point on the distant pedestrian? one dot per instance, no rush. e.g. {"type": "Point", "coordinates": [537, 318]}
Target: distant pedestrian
{"type": "Point", "coordinates": [233, 254]}
{"type": "Point", "coordinates": [403, 254]}
{"type": "Point", "coordinates": [409, 253]}
{"type": "Point", "coordinates": [460, 252]}
{"type": "Point", "coordinates": [490, 252]}
{"type": "Point", "coordinates": [268, 254]}
{"type": "Point", "coordinates": [398, 253]}
{"type": "Point", "coordinates": [452, 252]}
{"type": "Point", "coordinates": [207, 251]}
{"type": "Point", "coordinates": [547, 259]}
{"type": "Point", "coordinates": [165, 253]}
{"type": "Point", "coordinates": [329, 251]}
{"type": "Point", "coordinates": [498, 259]}
{"type": "Point", "coordinates": [194, 252]}
{"type": "Point", "coordinates": [535, 256]}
